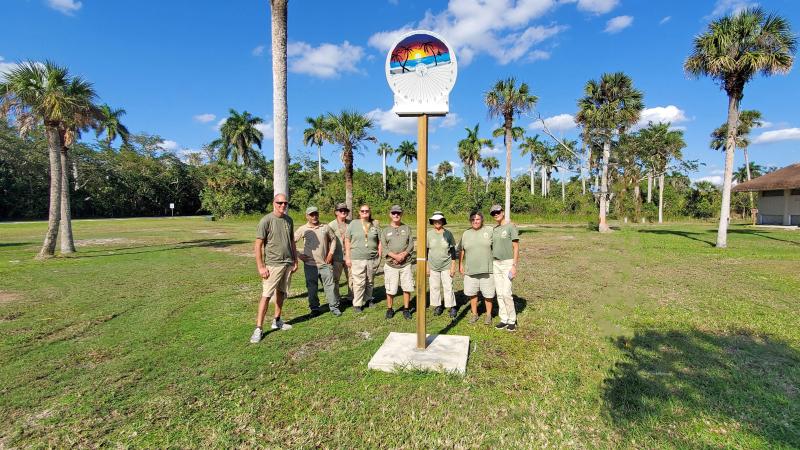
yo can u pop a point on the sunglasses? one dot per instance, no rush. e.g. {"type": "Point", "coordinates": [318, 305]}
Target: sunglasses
{"type": "Point", "coordinates": [282, 203]}
{"type": "Point", "coordinates": [343, 211]}
{"type": "Point", "coordinates": [395, 213]}
{"type": "Point", "coordinates": [495, 213]}
{"type": "Point", "coordinates": [365, 211]}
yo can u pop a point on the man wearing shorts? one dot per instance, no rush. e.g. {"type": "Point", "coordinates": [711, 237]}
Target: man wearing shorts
{"type": "Point", "coordinates": [397, 245]}
{"type": "Point", "coordinates": [276, 259]}
{"type": "Point", "coordinates": [476, 265]}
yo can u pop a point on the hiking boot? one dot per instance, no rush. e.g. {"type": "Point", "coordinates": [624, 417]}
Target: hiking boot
{"type": "Point", "coordinates": [453, 312]}
{"type": "Point", "coordinates": [473, 318]}
{"type": "Point", "coordinates": [278, 324]}
{"type": "Point", "coordinates": [501, 325]}
{"type": "Point", "coordinates": [511, 327]}
{"type": "Point", "coordinates": [438, 310]}
{"type": "Point", "coordinates": [256, 337]}
{"type": "Point", "coordinates": [407, 313]}
{"type": "Point", "coordinates": [389, 313]}
{"type": "Point", "coordinates": [335, 311]}
{"type": "Point", "coordinates": [487, 320]}
{"type": "Point", "coordinates": [357, 309]}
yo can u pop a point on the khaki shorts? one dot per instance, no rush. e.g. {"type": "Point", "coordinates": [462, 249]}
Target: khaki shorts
{"type": "Point", "coordinates": [483, 282]}
{"type": "Point", "coordinates": [394, 278]}
{"type": "Point", "coordinates": [278, 280]}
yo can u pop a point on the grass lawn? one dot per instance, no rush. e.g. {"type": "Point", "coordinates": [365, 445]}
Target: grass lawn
{"type": "Point", "coordinates": [646, 337]}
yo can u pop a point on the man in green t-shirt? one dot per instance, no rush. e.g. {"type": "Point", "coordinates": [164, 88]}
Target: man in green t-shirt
{"type": "Point", "coordinates": [505, 253]}
{"type": "Point", "coordinates": [339, 226]}
{"type": "Point", "coordinates": [397, 244]}
{"type": "Point", "coordinates": [361, 247]}
{"type": "Point", "coordinates": [276, 260]}
{"type": "Point", "coordinates": [441, 264]}
{"type": "Point", "coordinates": [319, 245]}
{"type": "Point", "coordinates": [476, 265]}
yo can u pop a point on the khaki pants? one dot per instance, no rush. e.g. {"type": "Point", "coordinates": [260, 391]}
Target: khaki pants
{"type": "Point", "coordinates": [338, 268]}
{"type": "Point", "coordinates": [363, 273]}
{"type": "Point", "coordinates": [505, 301]}
{"type": "Point", "coordinates": [442, 283]}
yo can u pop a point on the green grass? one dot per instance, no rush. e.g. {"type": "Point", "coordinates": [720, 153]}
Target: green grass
{"type": "Point", "coordinates": [647, 337]}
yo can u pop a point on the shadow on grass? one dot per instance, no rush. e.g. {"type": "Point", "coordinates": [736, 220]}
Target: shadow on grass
{"type": "Point", "coordinates": [763, 235]}
{"type": "Point", "coordinates": [14, 244]}
{"type": "Point", "coordinates": [695, 236]}
{"type": "Point", "coordinates": [195, 243]}
{"type": "Point", "coordinates": [746, 381]}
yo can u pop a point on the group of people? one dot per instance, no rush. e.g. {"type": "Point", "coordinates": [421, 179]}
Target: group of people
{"type": "Point", "coordinates": [486, 256]}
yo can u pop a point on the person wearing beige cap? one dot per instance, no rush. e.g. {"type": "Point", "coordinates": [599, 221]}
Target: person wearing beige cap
{"type": "Point", "coordinates": [475, 264]}
{"type": "Point", "coordinates": [339, 226]}
{"type": "Point", "coordinates": [319, 245]}
{"type": "Point", "coordinates": [441, 265]}
{"type": "Point", "coordinates": [397, 244]}
{"type": "Point", "coordinates": [505, 254]}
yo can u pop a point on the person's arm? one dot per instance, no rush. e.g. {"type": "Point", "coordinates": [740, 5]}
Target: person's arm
{"type": "Point", "coordinates": [331, 244]}
{"type": "Point", "coordinates": [409, 248]}
{"type": "Point", "coordinates": [461, 262]}
{"type": "Point", "coordinates": [258, 250]}
{"type": "Point", "coordinates": [515, 244]}
{"type": "Point", "coordinates": [300, 234]}
{"type": "Point", "coordinates": [452, 249]}
{"type": "Point", "coordinates": [347, 244]}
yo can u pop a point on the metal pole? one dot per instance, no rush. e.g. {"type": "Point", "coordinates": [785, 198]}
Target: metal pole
{"type": "Point", "coordinates": [422, 214]}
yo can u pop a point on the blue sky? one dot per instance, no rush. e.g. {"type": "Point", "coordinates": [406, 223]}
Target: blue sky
{"type": "Point", "coordinates": [177, 66]}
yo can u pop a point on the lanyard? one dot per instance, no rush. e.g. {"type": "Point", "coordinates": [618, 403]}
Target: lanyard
{"type": "Point", "coordinates": [366, 232]}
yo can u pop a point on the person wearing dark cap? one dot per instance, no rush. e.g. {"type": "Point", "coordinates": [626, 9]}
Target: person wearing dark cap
{"type": "Point", "coordinates": [362, 246]}
{"type": "Point", "coordinates": [397, 244]}
{"type": "Point", "coordinates": [339, 226]}
{"type": "Point", "coordinates": [505, 252]}
{"type": "Point", "coordinates": [319, 245]}
{"type": "Point", "coordinates": [475, 264]}
{"type": "Point", "coordinates": [441, 265]}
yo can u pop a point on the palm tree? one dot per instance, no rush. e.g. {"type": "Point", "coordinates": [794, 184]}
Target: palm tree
{"type": "Point", "coordinates": [506, 100]}
{"type": "Point", "coordinates": [661, 145]}
{"type": "Point", "coordinates": [565, 161]}
{"type": "Point", "coordinates": [383, 150]}
{"type": "Point", "coordinates": [489, 164]}
{"type": "Point", "coordinates": [744, 172]}
{"type": "Point", "coordinates": [35, 93]}
{"type": "Point", "coordinates": [237, 137]}
{"type": "Point", "coordinates": [608, 108]}
{"type": "Point", "coordinates": [280, 113]}
{"type": "Point", "coordinates": [315, 135]}
{"type": "Point", "coordinates": [443, 169]}
{"type": "Point", "coordinates": [194, 159]}
{"type": "Point", "coordinates": [733, 50]}
{"type": "Point", "coordinates": [469, 150]}
{"type": "Point", "coordinates": [532, 146]}
{"type": "Point", "coordinates": [109, 123]}
{"type": "Point", "coordinates": [350, 130]}
{"type": "Point", "coordinates": [407, 152]}
{"type": "Point", "coordinates": [748, 119]}
{"type": "Point", "coordinates": [545, 158]}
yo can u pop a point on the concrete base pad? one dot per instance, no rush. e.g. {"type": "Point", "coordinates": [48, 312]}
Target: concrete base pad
{"type": "Point", "coordinates": [444, 353]}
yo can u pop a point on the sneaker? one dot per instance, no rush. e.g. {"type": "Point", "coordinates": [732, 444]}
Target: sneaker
{"type": "Point", "coordinates": [501, 325]}
{"type": "Point", "coordinates": [438, 310]}
{"type": "Point", "coordinates": [487, 320]}
{"type": "Point", "coordinates": [389, 313]}
{"type": "Point", "coordinates": [278, 324]}
{"type": "Point", "coordinates": [407, 313]}
{"type": "Point", "coordinates": [453, 312]}
{"type": "Point", "coordinates": [511, 327]}
{"type": "Point", "coordinates": [315, 312]}
{"type": "Point", "coordinates": [256, 337]}
{"type": "Point", "coordinates": [336, 312]}
{"type": "Point", "coordinates": [473, 318]}
{"type": "Point", "coordinates": [357, 309]}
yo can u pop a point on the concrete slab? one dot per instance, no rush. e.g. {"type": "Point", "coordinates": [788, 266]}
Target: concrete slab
{"type": "Point", "coordinates": [445, 353]}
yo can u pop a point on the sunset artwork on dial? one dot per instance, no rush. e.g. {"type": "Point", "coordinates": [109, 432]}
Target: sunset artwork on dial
{"type": "Point", "coordinates": [418, 49]}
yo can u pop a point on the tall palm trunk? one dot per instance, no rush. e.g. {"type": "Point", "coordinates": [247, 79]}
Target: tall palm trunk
{"type": "Point", "coordinates": [584, 174]}
{"type": "Point", "coordinates": [563, 189]}
{"type": "Point", "coordinates": [384, 172]}
{"type": "Point", "coordinates": [508, 138]}
{"type": "Point", "coordinates": [54, 150]}
{"type": "Point", "coordinates": [661, 198]}
{"type": "Point", "coordinates": [319, 163]}
{"type": "Point", "coordinates": [533, 191]}
{"type": "Point", "coordinates": [280, 112]}
{"type": "Point", "coordinates": [637, 200]}
{"type": "Point", "coordinates": [650, 187]}
{"type": "Point", "coordinates": [603, 226]}
{"type": "Point", "coordinates": [747, 167]}
{"type": "Point", "coordinates": [544, 181]}
{"type": "Point", "coordinates": [67, 242]}
{"type": "Point", "coordinates": [725, 212]}
{"type": "Point", "coordinates": [347, 158]}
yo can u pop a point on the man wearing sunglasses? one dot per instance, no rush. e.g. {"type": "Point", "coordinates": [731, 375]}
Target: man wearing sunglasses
{"type": "Point", "coordinates": [276, 259]}
{"type": "Point", "coordinates": [319, 244]}
{"type": "Point", "coordinates": [339, 226]}
{"type": "Point", "coordinates": [397, 245]}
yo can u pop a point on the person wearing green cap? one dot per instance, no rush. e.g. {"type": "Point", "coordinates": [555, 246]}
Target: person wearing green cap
{"type": "Point", "coordinates": [319, 245]}
{"type": "Point", "coordinates": [441, 265]}
{"type": "Point", "coordinates": [361, 247]}
{"type": "Point", "coordinates": [397, 244]}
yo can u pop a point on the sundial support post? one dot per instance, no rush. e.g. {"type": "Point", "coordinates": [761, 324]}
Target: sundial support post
{"type": "Point", "coordinates": [422, 214]}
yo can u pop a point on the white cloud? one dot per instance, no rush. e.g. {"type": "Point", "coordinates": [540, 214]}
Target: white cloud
{"type": "Point", "coordinates": [68, 7]}
{"type": "Point", "coordinates": [258, 51]}
{"type": "Point", "coordinates": [391, 122]}
{"type": "Point", "coordinates": [537, 55]}
{"type": "Point", "coordinates": [268, 130]}
{"type": "Point", "coordinates": [561, 123]}
{"type": "Point", "coordinates": [618, 24]}
{"type": "Point", "coordinates": [785, 134]}
{"type": "Point", "coordinates": [665, 20]}
{"type": "Point", "coordinates": [449, 121]}
{"type": "Point", "coordinates": [204, 118]}
{"type": "Point", "coordinates": [662, 114]}
{"type": "Point", "coordinates": [325, 61]}
{"type": "Point", "coordinates": [384, 39]}
{"type": "Point", "coordinates": [764, 123]}
{"type": "Point", "coordinates": [455, 164]}
{"type": "Point", "coordinates": [714, 179]}
{"type": "Point", "coordinates": [596, 6]}
{"type": "Point", "coordinates": [516, 45]}
{"type": "Point", "coordinates": [723, 7]}
{"type": "Point", "coordinates": [5, 67]}
{"type": "Point", "coordinates": [489, 151]}
{"type": "Point", "coordinates": [169, 145]}
{"type": "Point", "coordinates": [221, 122]}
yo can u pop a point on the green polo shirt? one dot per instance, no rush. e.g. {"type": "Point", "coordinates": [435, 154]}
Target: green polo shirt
{"type": "Point", "coordinates": [477, 247]}
{"type": "Point", "coordinates": [502, 238]}
{"type": "Point", "coordinates": [340, 229]}
{"type": "Point", "coordinates": [278, 234]}
{"type": "Point", "coordinates": [441, 249]}
{"type": "Point", "coordinates": [363, 245]}
{"type": "Point", "coordinates": [396, 240]}
{"type": "Point", "coordinates": [317, 241]}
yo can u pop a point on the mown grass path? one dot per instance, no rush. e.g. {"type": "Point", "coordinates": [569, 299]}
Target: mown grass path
{"type": "Point", "coordinates": [647, 337]}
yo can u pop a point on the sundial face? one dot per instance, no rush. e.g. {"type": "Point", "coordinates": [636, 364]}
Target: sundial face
{"type": "Point", "coordinates": [421, 69]}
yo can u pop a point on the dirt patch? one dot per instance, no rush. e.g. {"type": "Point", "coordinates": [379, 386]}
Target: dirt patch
{"type": "Point", "coordinates": [104, 241]}
{"type": "Point", "coordinates": [311, 348]}
{"type": "Point", "coordinates": [8, 297]}
{"type": "Point", "coordinates": [233, 251]}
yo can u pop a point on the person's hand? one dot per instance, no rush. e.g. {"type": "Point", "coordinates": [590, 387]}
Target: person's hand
{"type": "Point", "coordinates": [264, 272]}
{"type": "Point", "coordinates": [348, 263]}
{"type": "Point", "coordinates": [428, 271]}
{"type": "Point", "coordinates": [513, 271]}
{"type": "Point", "coordinates": [294, 267]}
{"type": "Point", "coordinates": [452, 271]}
{"type": "Point", "coordinates": [461, 269]}
{"type": "Point", "coordinates": [329, 258]}
{"type": "Point", "coordinates": [303, 257]}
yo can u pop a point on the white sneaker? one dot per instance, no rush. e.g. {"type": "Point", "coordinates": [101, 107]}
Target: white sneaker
{"type": "Point", "coordinates": [256, 337]}
{"type": "Point", "coordinates": [278, 324]}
